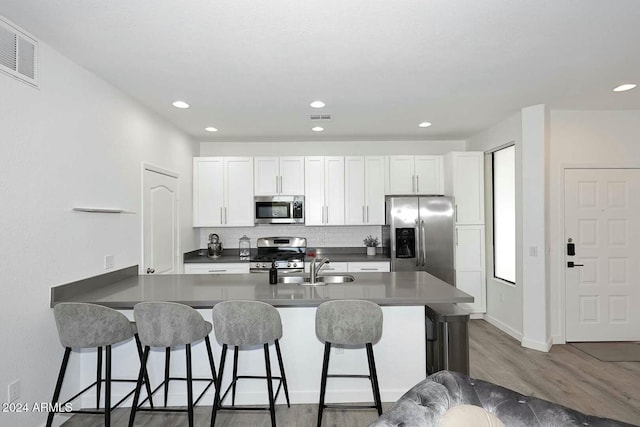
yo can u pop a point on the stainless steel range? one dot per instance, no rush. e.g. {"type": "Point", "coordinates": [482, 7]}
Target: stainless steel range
{"type": "Point", "coordinates": [287, 252]}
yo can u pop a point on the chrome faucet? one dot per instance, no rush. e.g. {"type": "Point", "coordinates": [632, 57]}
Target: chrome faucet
{"type": "Point", "coordinates": [314, 268]}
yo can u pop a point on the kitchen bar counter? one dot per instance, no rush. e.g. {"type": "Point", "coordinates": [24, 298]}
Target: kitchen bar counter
{"type": "Point", "coordinates": [204, 291]}
{"type": "Point", "coordinates": [400, 353]}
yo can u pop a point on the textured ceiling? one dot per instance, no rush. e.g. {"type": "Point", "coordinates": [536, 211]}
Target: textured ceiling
{"type": "Point", "coordinates": [251, 68]}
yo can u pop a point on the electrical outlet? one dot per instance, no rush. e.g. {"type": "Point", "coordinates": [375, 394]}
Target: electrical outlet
{"type": "Point", "coordinates": [339, 350]}
{"type": "Point", "coordinates": [533, 251]}
{"type": "Point", "coordinates": [13, 391]}
{"type": "Point", "coordinates": [109, 261]}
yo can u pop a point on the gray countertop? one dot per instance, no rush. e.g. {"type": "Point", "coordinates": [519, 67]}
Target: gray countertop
{"type": "Point", "coordinates": [334, 254]}
{"type": "Point", "coordinates": [204, 291]}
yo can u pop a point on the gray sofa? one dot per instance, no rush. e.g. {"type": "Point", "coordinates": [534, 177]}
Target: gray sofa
{"type": "Point", "coordinates": [426, 402]}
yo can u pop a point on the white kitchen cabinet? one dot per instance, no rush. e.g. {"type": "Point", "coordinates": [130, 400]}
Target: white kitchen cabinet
{"type": "Point", "coordinates": [369, 267]}
{"type": "Point", "coordinates": [223, 191]}
{"type": "Point", "coordinates": [415, 175]}
{"type": "Point", "coordinates": [470, 265]}
{"type": "Point", "coordinates": [324, 190]}
{"type": "Point", "coordinates": [464, 180]}
{"type": "Point", "coordinates": [278, 176]}
{"type": "Point", "coordinates": [216, 268]}
{"type": "Point", "coordinates": [364, 190]}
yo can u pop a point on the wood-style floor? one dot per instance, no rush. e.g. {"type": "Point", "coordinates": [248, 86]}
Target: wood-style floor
{"type": "Point", "coordinates": [565, 375]}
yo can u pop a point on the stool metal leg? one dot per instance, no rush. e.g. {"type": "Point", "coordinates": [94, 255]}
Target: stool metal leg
{"type": "Point", "coordinates": [216, 399]}
{"type": "Point", "coordinates": [374, 378]}
{"type": "Point", "coordinates": [267, 362]}
{"type": "Point", "coordinates": [107, 391]}
{"type": "Point", "coordinates": [189, 386]}
{"type": "Point", "coordinates": [56, 392]}
{"type": "Point", "coordinates": [282, 374]}
{"type": "Point", "coordinates": [167, 361]}
{"type": "Point", "coordinates": [146, 374]}
{"type": "Point", "coordinates": [98, 375]}
{"type": "Point", "coordinates": [136, 396]}
{"type": "Point", "coordinates": [323, 380]}
{"type": "Point", "coordinates": [234, 378]}
{"type": "Point", "coordinates": [211, 363]}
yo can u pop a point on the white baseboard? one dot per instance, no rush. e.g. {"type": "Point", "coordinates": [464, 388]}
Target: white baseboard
{"type": "Point", "coordinates": [504, 327]}
{"type": "Point", "coordinates": [537, 345]}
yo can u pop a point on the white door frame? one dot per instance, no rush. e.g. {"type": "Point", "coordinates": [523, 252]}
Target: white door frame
{"type": "Point", "coordinates": [153, 168]}
{"type": "Point", "coordinates": [562, 297]}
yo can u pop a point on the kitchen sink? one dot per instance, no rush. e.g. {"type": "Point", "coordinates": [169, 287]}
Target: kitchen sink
{"type": "Point", "coordinates": [336, 279]}
{"type": "Point", "coordinates": [321, 280]}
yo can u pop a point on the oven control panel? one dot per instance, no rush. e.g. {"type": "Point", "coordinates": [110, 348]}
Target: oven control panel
{"type": "Point", "coordinates": [280, 264]}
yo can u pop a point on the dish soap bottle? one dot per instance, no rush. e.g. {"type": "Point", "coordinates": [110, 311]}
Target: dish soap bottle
{"type": "Point", "coordinates": [244, 245]}
{"type": "Point", "coordinates": [273, 274]}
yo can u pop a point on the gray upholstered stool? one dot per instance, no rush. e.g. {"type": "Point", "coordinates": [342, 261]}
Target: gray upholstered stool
{"type": "Point", "coordinates": [248, 323]}
{"type": "Point", "coordinates": [82, 325]}
{"type": "Point", "coordinates": [168, 324]}
{"type": "Point", "coordinates": [349, 322]}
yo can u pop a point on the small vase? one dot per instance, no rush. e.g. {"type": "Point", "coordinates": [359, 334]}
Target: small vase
{"type": "Point", "coordinates": [371, 250]}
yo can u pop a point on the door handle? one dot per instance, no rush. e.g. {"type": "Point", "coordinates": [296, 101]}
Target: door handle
{"type": "Point", "coordinates": [571, 264]}
{"type": "Point", "coordinates": [417, 239]}
{"type": "Point", "coordinates": [424, 243]}
{"type": "Point", "coordinates": [151, 270]}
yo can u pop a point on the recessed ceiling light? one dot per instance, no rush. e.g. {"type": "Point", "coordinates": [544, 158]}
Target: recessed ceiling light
{"type": "Point", "coordinates": [211, 129]}
{"type": "Point", "coordinates": [622, 88]}
{"type": "Point", "coordinates": [180, 104]}
{"type": "Point", "coordinates": [424, 124]}
{"type": "Point", "coordinates": [317, 104]}
{"type": "Point", "coordinates": [317, 128]}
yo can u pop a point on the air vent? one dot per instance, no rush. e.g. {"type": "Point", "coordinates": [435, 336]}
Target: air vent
{"type": "Point", "coordinates": [18, 53]}
{"type": "Point", "coordinates": [320, 117]}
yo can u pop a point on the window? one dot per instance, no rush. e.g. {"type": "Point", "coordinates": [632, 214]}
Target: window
{"type": "Point", "coordinates": [504, 214]}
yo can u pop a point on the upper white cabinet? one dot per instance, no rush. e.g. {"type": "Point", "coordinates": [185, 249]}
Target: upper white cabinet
{"type": "Point", "coordinates": [464, 180]}
{"type": "Point", "coordinates": [324, 190]}
{"type": "Point", "coordinates": [364, 190]}
{"type": "Point", "coordinates": [278, 176]}
{"type": "Point", "coordinates": [223, 191]}
{"type": "Point", "coordinates": [415, 175]}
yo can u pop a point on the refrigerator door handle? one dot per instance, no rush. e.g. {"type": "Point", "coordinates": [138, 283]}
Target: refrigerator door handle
{"type": "Point", "coordinates": [423, 240]}
{"type": "Point", "coordinates": [418, 240]}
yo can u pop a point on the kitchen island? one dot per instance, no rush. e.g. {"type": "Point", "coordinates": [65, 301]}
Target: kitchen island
{"type": "Point", "coordinates": [400, 354]}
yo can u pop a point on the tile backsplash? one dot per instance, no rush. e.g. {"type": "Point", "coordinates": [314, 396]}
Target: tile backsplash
{"type": "Point", "coordinates": [325, 236]}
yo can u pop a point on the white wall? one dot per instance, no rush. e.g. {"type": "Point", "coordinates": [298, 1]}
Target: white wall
{"type": "Point", "coordinates": [76, 141]}
{"type": "Point", "coordinates": [590, 139]}
{"type": "Point", "coordinates": [328, 148]}
{"type": "Point", "coordinates": [504, 301]}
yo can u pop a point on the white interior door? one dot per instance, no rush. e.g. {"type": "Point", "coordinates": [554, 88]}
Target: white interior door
{"type": "Point", "coordinates": [160, 228]}
{"type": "Point", "coordinates": [602, 217]}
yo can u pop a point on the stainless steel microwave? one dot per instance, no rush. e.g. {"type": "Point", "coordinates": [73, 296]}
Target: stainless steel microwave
{"type": "Point", "coordinates": [279, 209]}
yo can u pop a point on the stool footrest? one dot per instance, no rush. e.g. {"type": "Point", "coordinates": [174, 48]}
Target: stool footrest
{"type": "Point", "coordinates": [347, 406]}
{"type": "Point", "coordinates": [252, 377]}
{"type": "Point", "coordinates": [195, 402]}
{"type": "Point", "coordinates": [347, 376]}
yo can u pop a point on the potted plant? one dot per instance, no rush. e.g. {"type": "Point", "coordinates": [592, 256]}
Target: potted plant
{"type": "Point", "coordinates": [371, 243]}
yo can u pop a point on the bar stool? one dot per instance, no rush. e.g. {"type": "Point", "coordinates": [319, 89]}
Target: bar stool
{"type": "Point", "coordinates": [168, 324]}
{"type": "Point", "coordinates": [83, 325]}
{"type": "Point", "coordinates": [349, 322]}
{"type": "Point", "coordinates": [248, 323]}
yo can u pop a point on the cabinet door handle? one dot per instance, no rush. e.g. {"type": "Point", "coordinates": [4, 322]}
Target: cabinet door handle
{"type": "Point", "coordinates": [277, 190]}
{"type": "Point", "coordinates": [217, 271]}
{"type": "Point", "coordinates": [364, 218]}
{"type": "Point", "coordinates": [280, 183]}
{"type": "Point", "coordinates": [417, 183]}
{"type": "Point", "coordinates": [327, 214]}
{"type": "Point", "coordinates": [221, 219]}
{"type": "Point", "coordinates": [368, 269]}
{"type": "Point", "coordinates": [456, 237]}
{"type": "Point", "coordinates": [367, 214]}
{"type": "Point", "coordinates": [413, 183]}
{"type": "Point", "coordinates": [225, 215]}
{"type": "Point", "coordinates": [456, 212]}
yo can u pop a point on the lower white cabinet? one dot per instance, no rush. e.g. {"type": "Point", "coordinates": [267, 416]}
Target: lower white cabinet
{"type": "Point", "coordinates": [470, 266]}
{"type": "Point", "coordinates": [369, 267]}
{"type": "Point", "coordinates": [216, 268]}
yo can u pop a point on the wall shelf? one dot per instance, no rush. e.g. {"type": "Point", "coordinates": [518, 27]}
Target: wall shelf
{"type": "Point", "coordinates": [103, 210]}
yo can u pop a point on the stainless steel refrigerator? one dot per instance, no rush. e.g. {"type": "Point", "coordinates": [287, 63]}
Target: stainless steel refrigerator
{"type": "Point", "coordinates": [419, 234]}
